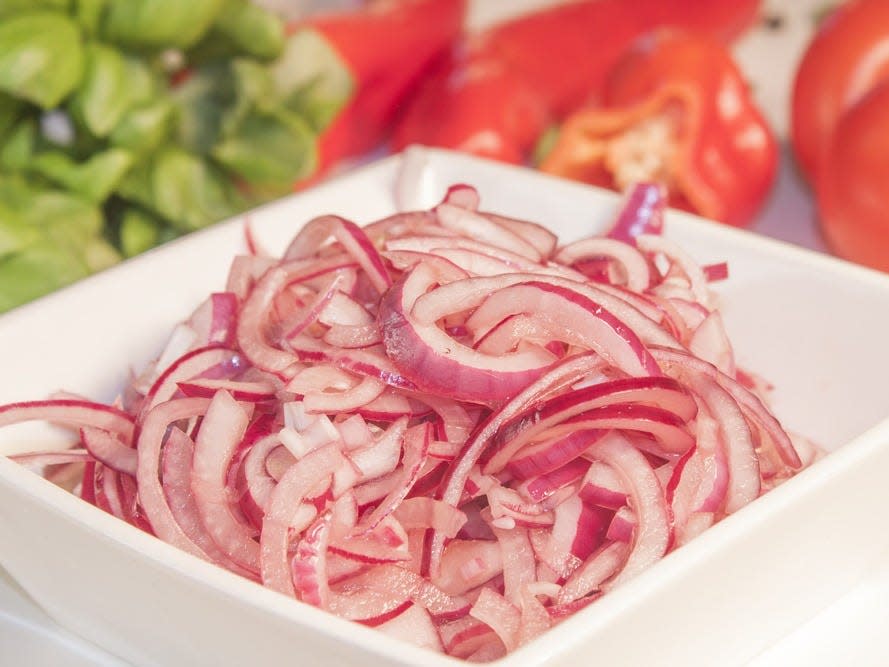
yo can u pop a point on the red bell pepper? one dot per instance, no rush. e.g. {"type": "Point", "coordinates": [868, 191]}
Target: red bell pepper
{"type": "Point", "coordinates": [676, 110]}
{"type": "Point", "coordinates": [847, 58]}
{"type": "Point", "coordinates": [505, 113]}
{"type": "Point", "coordinates": [561, 54]}
{"type": "Point", "coordinates": [566, 51]}
{"type": "Point", "coordinates": [387, 47]}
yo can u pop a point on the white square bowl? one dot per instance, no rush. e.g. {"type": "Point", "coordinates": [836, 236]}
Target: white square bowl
{"type": "Point", "coordinates": [814, 326]}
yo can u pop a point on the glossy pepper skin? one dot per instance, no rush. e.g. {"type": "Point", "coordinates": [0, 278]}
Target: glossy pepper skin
{"type": "Point", "coordinates": [853, 198]}
{"type": "Point", "coordinates": [840, 129]}
{"type": "Point", "coordinates": [561, 55]}
{"type": "Point", "coordinates": [848, 57]}
{"type": "Point", "coordinates": [387, 46]}
{"type": "Point", "coordinates": [676, 109]}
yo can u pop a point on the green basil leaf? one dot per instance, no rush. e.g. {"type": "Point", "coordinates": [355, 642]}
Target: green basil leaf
{"type": "Point", "coordinates": [18, 146]}
{"type": "Point", "coordinates": [312, 78]}
{"type": "Point", "coordinates": [13, 7]}
{"type": "Point", "coordinates": [270, 152]}
{"type": "Point", "coordinates": [41, 57]}
{"type": "Point", "coordinates": [201, 104]}
{"type": "Point", "coordinates": [139, 231]}
{"type": "Point", "coordinates": [15, 232]}
{"type": "Point", "coordinates": [10, 111]}
{"type": "Point", "coordinates": [94, 179]}
{"type": "Point", "coordinates": [254, 89]}
{"type": "Point", "coordinates": [89, 14]}
{"type": "Point", "coordinates": [72, 224]}
{"type": "Point", "coordinates": [182, 188]}
{"type": "Point", "coordinates": [159, 23]}
{"type": "Point", "coordinates": [144, 128]}
{"type": "Point", "coordinates": [39, 269]}
{"type": "Point", "coordinates": [99, 255]}
{"type": "Point", "coordinates": [64, 217]}
{"type": "Point", "coordinates": [251, 29]}
{"type": "Point", "coordinates": [112, 85]}
{"type": "Point", "coordinates": [16, 194]}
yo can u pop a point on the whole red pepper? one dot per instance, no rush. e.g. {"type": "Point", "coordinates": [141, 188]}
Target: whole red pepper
{"type": "Point", "coordinates": [847, 58]}
{"type": "Point", "coordinates": [840, 129]}
{"type": "Point", "coordinates": [387, 47]}
{"type": "Point", "coordinates": [487, 111]}
{"type": "Point", "coordinates": [676, 110]}
{"type": "Point", "coordinates": [561, 55]}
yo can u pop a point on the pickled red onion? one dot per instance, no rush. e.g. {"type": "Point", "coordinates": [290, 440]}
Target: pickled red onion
{"type": "Point", "coordinates": [441, 424]}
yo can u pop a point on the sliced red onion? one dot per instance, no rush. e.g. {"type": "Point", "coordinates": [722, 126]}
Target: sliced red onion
{"type": "Point", "coordinates": [296, 323]}
{"type": "Point", "coordinates": [552, 453]}
{"type": "Point", "coordinates": [369, 362]}
{"type": "Point", "coordinates": [255, 312]}
{"type": "Point", "coordinates": [110, 450]}
{"type": "Point", "coordinates": [435, 363]}
{"type": "Point", "coordinates": [353, 239]}
{"type": "Point", "coordinates": [221, 431]}
{"type": "Point", "coordinates": [310, 562]}
{"type": "Point", "coordinates": [716, 272]}
{"type": "Point", "coordinates": [469, 637]}
{"type": "Point", "coordinates": [473, 225]}
{"type": "Point", "coordinates": [376, 596]}
{"type": "Point", "coordinates": [381, 457]}
{"type": "Point", "coordinates": [596, 570]}
{"type": "Point", "coordinates": [284, 514]}
{"type": "Point", "coordinates": [535, 618]}
{"type": "Point", "coordinates": [539, 488]}
{"type": "Point", "coordinates": [214, 322]}
{"type": "Point", "coordinates": [460, 439]}
{"type": "Point", "coordinates": [642, 212]}
{"type": "Point", "coordinates": [178, 456]}
{"type": "Point", "coordinates": [73, 413]}
{"type": "Point", "coordinates": [753, 407]}
{"type": "Point", "coordinates": [416, 626]}
{"type": "Point", "coordinates": [462, 195]}
{"type": "Point", "coordinates": [501, 616]}
{"type": "Point", "coordinates": [627, 403]}
{"type": "Point", "coordinates": [467, 564]}
{"type": "Point", "coordinates": [603, 487]}
{"type": "Point", "coordinates": [622, 526]}
{"type": "Point", "coordinates": [744, 481]}
{"type": "Point", "coordinates": [350, 336]}
{"type": "Point", "coordinates": [149, 446]}
{"type": "Point", "coordinates": [416, 449]}
{"type": "Point", "coordinates": [634, 265]}
{"type": "Point", "coordinates": [425, 512]}
{"type": "Point", "coordinates": [387, 542]}
{"type": "Point", "coordinates": [652, 533]}
{"type": "Point", "coordinates": [543, 240]}
{"type": "Point", "coordinates": [250, 392]}
{"type": "Point", "coordinates": [697, 281]}
{"type": "Point", "coordinates": [53, 458]}
{"type": "Point", "coordinates": [244, 272]}
{"type": "Point", "coordinates": [710, 342]}
{"type": "Point", "coordinates": [209, 362]}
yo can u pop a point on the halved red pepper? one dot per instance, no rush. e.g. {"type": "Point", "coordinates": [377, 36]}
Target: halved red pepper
{"type": "Point", "coordinates": [387, 46]}
{"type": "Point", "coordinates": [484, 95]}
{"type": "Point", "coordinates": [487, 111]}
{"type": "Point", "coordinates": [676, 110]}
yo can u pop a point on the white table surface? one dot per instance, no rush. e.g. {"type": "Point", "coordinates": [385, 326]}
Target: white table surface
{"type": "Point", "coordinates": [851, 631]}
